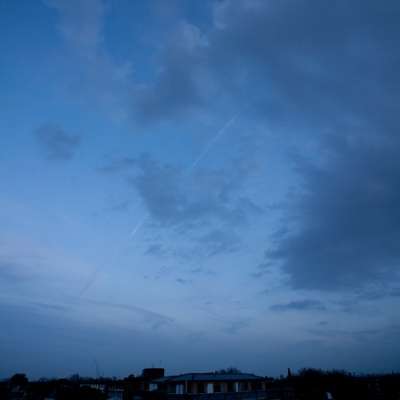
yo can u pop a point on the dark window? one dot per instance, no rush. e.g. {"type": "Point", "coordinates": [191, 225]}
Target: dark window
{"type": "Point", "coordinates": [217, 387]}
{"type": "Point", "coordinates": [171, 388]}
{"type": "Point", "coordinates": [256, 386]}
{"type": "Point", "coordinates": [200, 388]}
{"type": "Point", "coordinates": [230, 387]}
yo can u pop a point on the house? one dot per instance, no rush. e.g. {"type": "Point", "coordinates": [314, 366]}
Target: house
{"type": "Point", "coordinates": [115, 393]}
{"type": "Point", "coordinates": [101, 387]}
{"type": "Point", "coordinates": [211, 386]}
{"type": "Point", "coordinates": [18, 393]}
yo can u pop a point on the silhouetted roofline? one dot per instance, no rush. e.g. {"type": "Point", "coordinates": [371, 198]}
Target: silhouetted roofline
{"type": "Point", "coordinates": [209, 377]}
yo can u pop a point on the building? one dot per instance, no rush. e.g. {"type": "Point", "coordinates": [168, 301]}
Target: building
{"type": "Point", "coordinates": [211, 386]}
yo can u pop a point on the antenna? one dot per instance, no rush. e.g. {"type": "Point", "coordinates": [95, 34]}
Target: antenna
{"type": "Point", "coordinates": [97, 368]}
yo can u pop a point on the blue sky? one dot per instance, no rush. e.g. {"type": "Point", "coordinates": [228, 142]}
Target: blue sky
{"type": "Point", "coordinates": [198, 184]}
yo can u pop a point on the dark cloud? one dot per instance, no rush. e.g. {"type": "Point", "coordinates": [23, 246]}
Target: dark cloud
{"type": "Point", "coordinates": [176, 92]}
{"type": "Point", "coordinates": [330, 75]}
{"type": "Point", "coordinates": [346, 222]}
{"type": "Point", "coordinates": [156, 250]}
{"type": "Point", "coordinates": [327, 65]}
{"type": "Point", "coordinates": [173, 196]}
{"type": "Point", "coordinates": [309, 62]}
{"type": "Point", "coordinates": [192, 203]}
{"type": "Point", "coordinates": [299, 305]}
{"type": "Point", "coordinates": [326, 74]}
{"type": "Point", "coordinates": [262, 269]}
{"type": "Point", "coordinates": [375, 293]}
{"type": "Point", "coordinates": [183, 281]}
{"type": "Point", "coordinates": [235, 325]}
{"type": "Point", "coordinates": [55, 143]}
{"type": "Point", "coordinates": [219, 241]}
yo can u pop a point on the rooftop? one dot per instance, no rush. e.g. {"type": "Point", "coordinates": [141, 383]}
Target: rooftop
{"type": "Point", "coordinates": [208, 376]}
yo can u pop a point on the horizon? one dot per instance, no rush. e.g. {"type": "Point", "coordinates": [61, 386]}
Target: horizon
{"type": "Point", "coordinates": [76, 376]}
{"type": "Point", "coordinates": [207, 182]}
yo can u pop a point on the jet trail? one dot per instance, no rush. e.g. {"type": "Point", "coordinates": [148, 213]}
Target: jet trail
{"type": "Point", "coordinates": [96, 274]}
{"type": "Point", "coordinates": [211, 144]}
{"type": "Point", "coordinates": [136, 229]}
{"type": "Point", "coordinates": [138, 226]}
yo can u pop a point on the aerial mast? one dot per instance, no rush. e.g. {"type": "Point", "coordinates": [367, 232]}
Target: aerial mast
{"type": "Point", "coordinates": [97, 369]}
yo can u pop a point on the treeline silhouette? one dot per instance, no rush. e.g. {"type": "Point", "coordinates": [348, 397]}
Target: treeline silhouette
{"type": "Point", "coordinates": [316, 384]}
{"type": "Point", "coordinates": [306, 384]}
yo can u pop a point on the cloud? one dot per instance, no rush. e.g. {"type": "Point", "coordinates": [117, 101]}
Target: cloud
{"type": "Point", "coordinates": [156, 250]}
{"type": "Point", "coordinates": [81, 24]}
{"type": "Point", "coordinates": [324, 62]}
{"type": "Point", "coordinates": [219, 241]}
{"type": "Point", "coordinates": [329, 77]}
{"type": "Point", "coordinates": [183, 281]}
{"type": "Point", "coordinates": [299, 305]}
{"type": "Point", "coordinates": [328, 63]}
{"type": "Point", "coordinates": [55, 143]}
{"type": "Point", "coordinates": [149, 318]}
{"type": "Point", "coordinates": [235, 325]}
{"type": "Point", "coordinates": [175, 197]}
{"type": "Point", "coordinates": [177, 90]}
{"type": "Point", "coordinates": [386, 335]}
{"type": "Point", "coordinates": [192, 199]}
{"type": "Point", "coordinates": [374, 293]}
{"type": "Point", "coordinates": [346, 221]}
{"type": "Point", "coordinates": [262, 269]}
{"type": "Point", "coordinates": [98, 78]}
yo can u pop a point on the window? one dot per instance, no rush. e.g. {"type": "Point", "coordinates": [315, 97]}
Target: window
{"type": "Point", "coordinates": [217, 387]}
{"type": "Point", "coordinates": [231, 387]}
{"type": "Point", "coordinates": [171, 388]}
{"type": "Point", "coordinates": [179, 388]}
{"type": "Point", "coordinates": [200, 387]}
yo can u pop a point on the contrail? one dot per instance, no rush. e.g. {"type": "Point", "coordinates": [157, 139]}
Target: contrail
{"type": "Point", "coordinates": [208, 147]}
{"type": "Point", "coordinates": [96, 273]}
{"type": "Point", "coordinates": [136, 229]}
{"type": "Point", "coordinates": [138, 226]}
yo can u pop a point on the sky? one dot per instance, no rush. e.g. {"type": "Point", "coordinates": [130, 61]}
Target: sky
{"type": "Point", "coordinates": [197, 184]}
